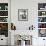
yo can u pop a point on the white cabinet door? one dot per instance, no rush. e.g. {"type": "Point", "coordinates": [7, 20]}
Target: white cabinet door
{"type": "Point", "coordinates": [3, 41]}
{"type": "Point", "coordinates": [41, 41]}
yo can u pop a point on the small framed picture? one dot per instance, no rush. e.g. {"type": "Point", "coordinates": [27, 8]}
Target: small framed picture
{"type": "Point", "coordinates": [42, 33]}
{"type": "Point", "coordinates": [6, 7]}
{"type": "Point", "coordinates": [23, 14]}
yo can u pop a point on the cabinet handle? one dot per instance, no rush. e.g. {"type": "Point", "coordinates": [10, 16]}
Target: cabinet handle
{"type": "Point", "coordinates": [1, 39]}
{"type": "Point", "coordinates": [43, 39]}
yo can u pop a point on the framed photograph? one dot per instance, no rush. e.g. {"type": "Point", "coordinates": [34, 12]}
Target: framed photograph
{"type": "Point", "coordinates": [42, 32]}
{"type": "Point", "coordinates": [23, 14]}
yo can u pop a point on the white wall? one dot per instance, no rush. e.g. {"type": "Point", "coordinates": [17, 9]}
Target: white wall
{"type": "Point", "coordinates": [32, 13]}
{"type": "Point", "coordinates": [32, 6]}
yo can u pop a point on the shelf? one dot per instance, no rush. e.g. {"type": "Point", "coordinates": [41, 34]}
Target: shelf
{"type": "Point", "coordinates": [41, 10]}
{"type": "Point", "coordinates": [3, 10]}
{"type": "Point", "coordinates": [3, 22]}
{"type": "Point", "coordinates": [41, 22]}
{"type": "Point", "coordinates": [3, 16]}
{"type": "Point", "coordinates": [41, 28]}
{"type": "Point", "coordinates": [42, 16]}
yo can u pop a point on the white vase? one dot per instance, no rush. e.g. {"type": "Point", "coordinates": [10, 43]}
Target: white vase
{"type": "Point", "coordinates": [22, 43]}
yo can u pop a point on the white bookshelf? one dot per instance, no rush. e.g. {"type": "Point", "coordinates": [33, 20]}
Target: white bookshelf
{"type": "Point", "coordinates": [4, 18]}
{"type": "Point", "coordinates": [42, 18]}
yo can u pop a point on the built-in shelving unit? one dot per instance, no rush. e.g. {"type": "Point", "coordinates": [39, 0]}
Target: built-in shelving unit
{"type": "Point", "coordinates": [42, 19]}
{"type": "Point", "coordinates": [4, 19]}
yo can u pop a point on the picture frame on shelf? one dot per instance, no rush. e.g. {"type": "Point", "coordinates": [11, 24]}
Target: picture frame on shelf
{"type": "Point", "coordinates": [41, 6]}
{"type": "Point", "coordinates": [6, 7]}
{"type": "Point", "coordinates": [42, 33]}
{"type": "Point", "coordinates": [22, 14]}
{"type": "Point", "coordinates": [3, 19]}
